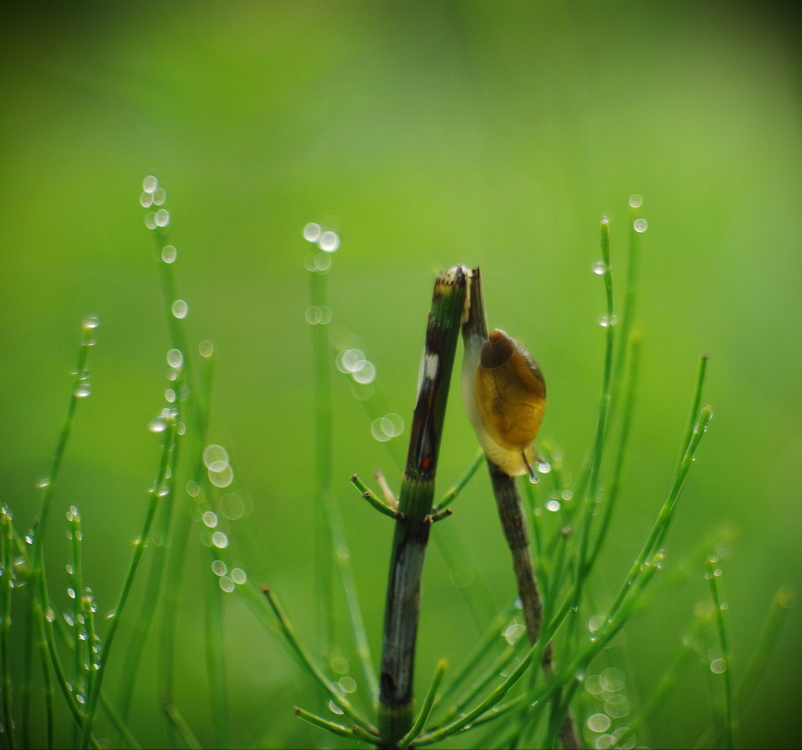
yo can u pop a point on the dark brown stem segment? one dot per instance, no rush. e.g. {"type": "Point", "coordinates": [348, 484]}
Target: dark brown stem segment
{"type": "Point", "coordinates": [396, 700]}
{"type": "Point", "coordinates": [513, 520]}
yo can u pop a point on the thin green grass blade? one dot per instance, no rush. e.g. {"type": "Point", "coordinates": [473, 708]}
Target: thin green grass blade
{"type": "Point", "coordinates": [665, 684]}
{"type": "Point", "coordinates": [451, 495]}
{"type": "Point", "coordinates": [305, 658]}
{"type": "Point", "coordinates": [7, 588]}
{"type": "Point", "coordinates": [39, 598]}
{"type": "Point", "coordinates": [660, 527]}
{"type": "Point", "coordinates": [426, 708]}
{"type": "Point", "coordinates": [329, 726]}
{"type": "Point", "coordinates": [181, 727]}
{"type": "Point", "coordinates": [712, 574]}
{"type": "Point", "coordinates": [158, 491]}
{"type": "Point", "coordinates": [601, 422]}
{"type": "Point", "coordinates": [215, 655]}
{"type": "Point", "coordinates": [491, 638]}
{"type": "Point", "coordinates": [623, 443]}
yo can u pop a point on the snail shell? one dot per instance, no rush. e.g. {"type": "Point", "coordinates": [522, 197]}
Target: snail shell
{"type": "Point", "coordinates": [505, 397]}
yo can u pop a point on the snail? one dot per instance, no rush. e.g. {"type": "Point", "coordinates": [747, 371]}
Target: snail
{"type": "Point", "coordinates": [505, 396]}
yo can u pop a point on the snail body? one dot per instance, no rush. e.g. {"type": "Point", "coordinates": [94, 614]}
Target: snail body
{"type": "Point", "coordinates": [505, 396]}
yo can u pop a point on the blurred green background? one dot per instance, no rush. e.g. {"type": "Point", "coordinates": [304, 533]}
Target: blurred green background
{"type": "Point", "coordinates": [426, 134]}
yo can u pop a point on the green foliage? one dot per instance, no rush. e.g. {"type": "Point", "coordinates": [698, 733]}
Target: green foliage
{"type": "Point", "coordinates": [499, 682]}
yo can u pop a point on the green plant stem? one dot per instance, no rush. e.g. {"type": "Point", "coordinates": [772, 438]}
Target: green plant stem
{"type": "Point", "coordinates": [623, 443]}
{"type": "Point", "coordinates": [342, 557]}
{"type": "Point", "coordinates": [329, 726]}
{"type": "Point", "coordinates": [150, 600]}
{"type": "Point", "coordinates": [83, 647]}
{"type": "Point", "coordinates": [111, 712]}
{"type": "Point", "coordinates": [306, 660]}
{"type": "Point", "coordinates": [215, 655]}
{"type": "Point", "coordinates": [660, 527]}
{"type": "Point", "coordinates": [180, 535]}
{"type": "Point", "coordinates": [664, 685]}
{"type": "Point", "coordinates": [181, 727]}
{"type": "Point", "coordinates": [168, 446]}
{"type": "Point", "coordinates": [324, 543]}
{"type": "Point", "coordinates": [765, 643]}
{"type": "Point", "coordinates": [482, 649]}
{"type": "Point", "coordinates": [39, 598]}
{"type": "Point", "coordinates": [601, 423]}
{"type": "Point", "coordinates": [712, 575]}
{"type": "Point", "coordinates": [5, 632]}
{"type": "Point", "coordinates": [415, 503]}
{"type": "Point", "coordinates": [502, 661]}
{"type": "Point", "coordinates": [775, 618]}
{"type": "Point", "coordinates": [697, 400]}
{"type": "Point", "coordinates": [452, 493]}
{"type": "Point", "coordinates": [426, 708]}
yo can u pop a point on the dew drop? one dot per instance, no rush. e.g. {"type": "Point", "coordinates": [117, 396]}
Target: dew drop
{"type": "Point", "coordinates": [162, 217]}
{"type": "Point", "coordinates": [193, 489]}
{"type": "Point", "coordinates": [513, 633]}
{"type": "Point", "coordinates": [636, 201]}
{"type": "Point", "coordinates": [339, 665]}
{"type": "Point", "coordinates": [158, 424]}
{"type": "Point", "coordinates": [221, 478]}
{"type": "Point", "coordinates": [312, 232]}
{"type": "Point", "coordinates": [322, 262]}
{"type": "Point", "coordinates": [42, 483]}
{"type": "Point", "coordinates": [175, 358]}
{"type": "Point", "coordinates": [335, 709]}
{"type": "Point", "coordinates": [599, 723]}
{"type": "Point", "coordinates": [553, 505]}
{"type": "Point", "coordinates": [219, 540]}
{"type": "Point", "coordinates": [566, 495]}
{"type": "Point", "coordinates": [91, 322]}
{"type": "Point", "coordinates": [159, 196]}
{"type": "Point", "coordinates": [180, 428]}
{"type": "Point", "coordinates": [210, 519]}
{"type": "Point", "coordinates": [169, 395]}
{"type": "Point", "coordinates": [169, 254]}
{"type": "Point", "coordinates": [146, 199]}
{"type": "Point", "coordinates": [377, 432]}
{"type": "Point", "coordinates": [239, 576]}
{"type": "Point", "coordinates": [219, 568]}
{"type": "Point", "coordinates": [365, 374]}
{"type": "Point", "coordinates": [206, 348]}
{"type": "Point", "coordinates": [343, 552]}
{"type": "Point", "coordinates": [226, 584]}
{"type": "Point", "coordinates": [599, 267]}
{"type": "Point", "coordinates": [232, 506]}
{"type": "Point", "coordinates": [180, 309]}
{"type": "Point", "coordinates": [718, 666]}
{"type": "Point", "coordinates": [82, 390]}
{"type": "Point", "coordinates": [215, 457]}
{"type": "Point", "coordinates": [313, 315]}
{"type": "Point", "coordinates": [149, 184]}
{"type": "Point", "coordinates": [640, 225]}
{"type": "Point", "coordinates": [150, 220]}
{"type": "Point", "coordinates": [329, 242]}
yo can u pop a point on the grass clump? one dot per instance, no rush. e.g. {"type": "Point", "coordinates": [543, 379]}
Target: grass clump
{"type": "Point", "coordinates": [506, 692]}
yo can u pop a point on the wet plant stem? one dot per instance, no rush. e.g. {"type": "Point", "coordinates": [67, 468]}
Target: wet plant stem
{"type": "Point", "coordinates": [396, 702]}
{"type": "Point", "coordinates": [511, 514]}
{"type": "Point", "coordinates": [168, 446]}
